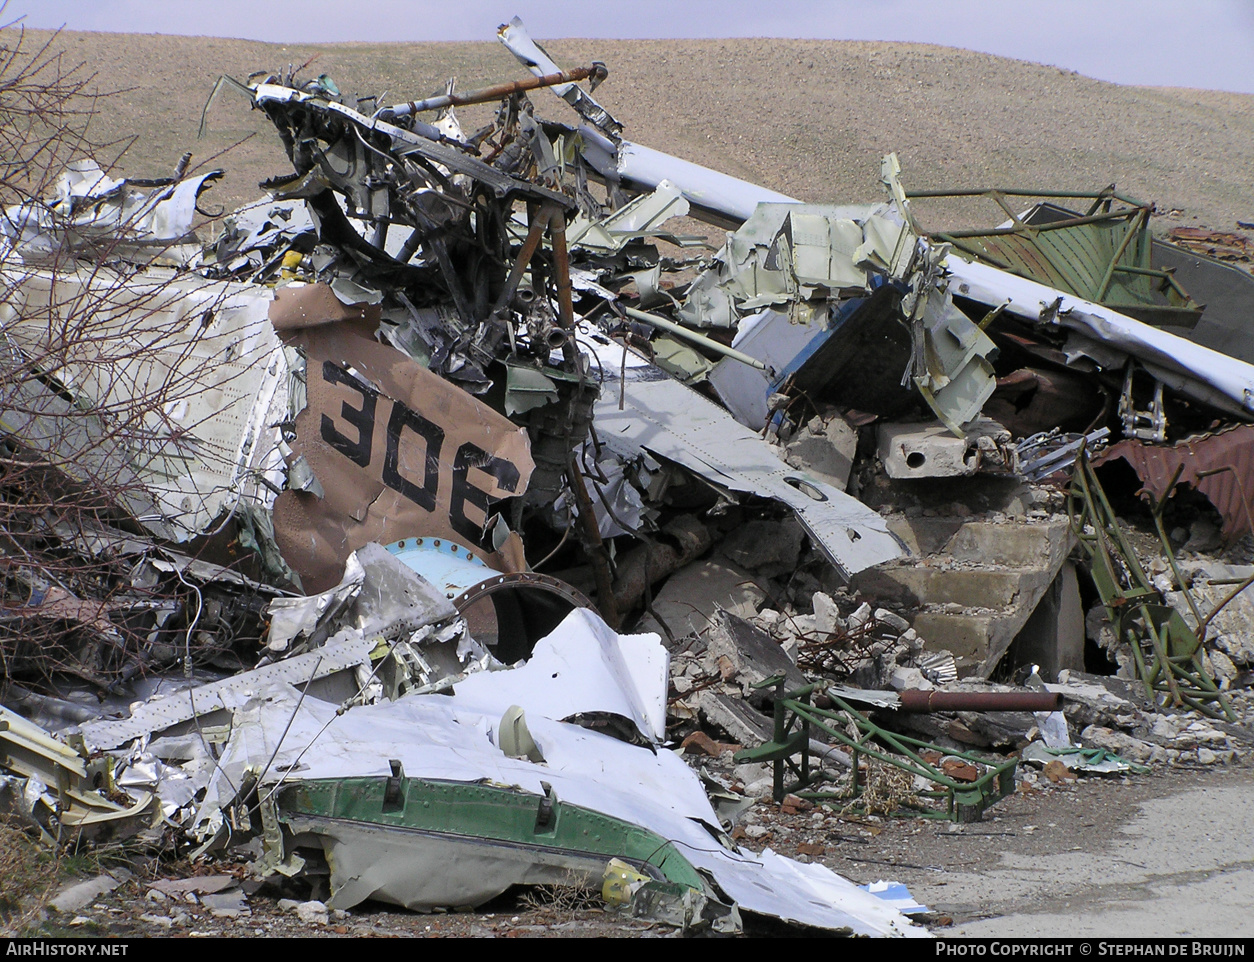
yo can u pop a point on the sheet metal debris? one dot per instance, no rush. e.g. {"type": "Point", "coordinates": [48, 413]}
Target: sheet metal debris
{"type": "Point", "coordinates": [325, 519]}
{"type": "Point", "coordinates": [1102, 254]}
{"type": "Point", "coordinates": [708, 442]}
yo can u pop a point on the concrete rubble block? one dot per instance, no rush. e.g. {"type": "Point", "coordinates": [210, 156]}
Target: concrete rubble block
{"type": "Point", "coordinates": [1199, 733]}
{"type": "Point", "coordinates": [1165, 727]}
{"type": "Point", "coordinates": [825, 449]}
{"type": "Point", "coordinates": [80, 894]}
{"type": "Point", "coordinates": [755, 655]}
{"type": "Point", "coordinates": [827, 619]}
{"type": "Point", "coordinates": [931, 450]}
{"type": "Point", "coordinates": [1097, 700]}
{"type": "Point", "coordinates": [794, 627]}
{"type": "Point", "coordinates": [980, 585]}
{"type": "Point", "coordinates": [966, 635]}
{"type": "Point", "coordinates": [312, 912]}
{"type": "Point", "coordinates": [909, 679]}
{"type": "Point", "coordinates": [230, 904]}
{"type": "Point", "coordinates": [1220, 667]}
{"type": "Point", "coordinates": [768, 619]}
{"type": "Point", "coordinates": [1232, 630]}
{"type": "Point", "coordinates": [1018, 544]}
{"type": "Point", "coordinates": [750, 772]}
{"type": "Point", "coordinates": [1123, 745]}
{"type": "Point", "coordinates": [891, 620]}
{"type": "Point", "coordinates": [745, 724]}
{"type": "Point", "coordinates": [918, 585]}
{"type": "Point", "coordinates": [693, 594]}
{"type": "Point", "coordinates": [998, 729]}
{"type": "Point", "coordinates": [859, 617]}
{"type": "Point", "coordinates": [769, 547]}
{"type": "Point", "coordinates": [910, 451]}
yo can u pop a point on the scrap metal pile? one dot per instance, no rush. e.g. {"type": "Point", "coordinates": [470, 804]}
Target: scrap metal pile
{"type": "Point", "coordinates": [320, 536]}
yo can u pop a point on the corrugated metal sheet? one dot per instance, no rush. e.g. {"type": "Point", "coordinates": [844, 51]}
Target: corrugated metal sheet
{"type": "Point", "coordinates": [1228, 490]}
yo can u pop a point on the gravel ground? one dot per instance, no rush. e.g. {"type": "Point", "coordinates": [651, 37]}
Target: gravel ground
{"type": "Point", "coordinates": [959, 872]}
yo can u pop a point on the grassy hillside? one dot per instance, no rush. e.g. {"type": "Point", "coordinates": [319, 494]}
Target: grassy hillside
{"type": "Point", "coordinates": [810, 118]}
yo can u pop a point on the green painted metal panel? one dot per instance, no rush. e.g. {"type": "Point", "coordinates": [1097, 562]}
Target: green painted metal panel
{"type": "Point", "coordinates": [486, 813]}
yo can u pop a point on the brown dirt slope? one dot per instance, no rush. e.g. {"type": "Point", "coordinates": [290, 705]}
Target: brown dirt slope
{"type": "Point", "coordinates": [810, 118]}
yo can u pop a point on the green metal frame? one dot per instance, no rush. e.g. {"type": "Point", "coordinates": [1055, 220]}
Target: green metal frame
{"type": "Point", "coordinates": [1166, 651]}
{"type": "Point", "coordinates": [1078, 260]}
{"type": "Point", "coordinates": [795, 716]}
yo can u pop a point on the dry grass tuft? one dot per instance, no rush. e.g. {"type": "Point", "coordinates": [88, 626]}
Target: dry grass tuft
{"type": "Point", "coordinates": [885, 789]}
{"type": "Point", "coordinates": [30, 875]}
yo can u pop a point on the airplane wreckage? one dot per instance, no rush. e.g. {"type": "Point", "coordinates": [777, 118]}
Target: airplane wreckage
{"type": "Point", "coordinates": [366, 488]}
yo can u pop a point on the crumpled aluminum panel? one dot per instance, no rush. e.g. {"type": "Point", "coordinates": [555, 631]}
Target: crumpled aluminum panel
{"type": "Point", "coordinates": [672, 421]}
{"type": "Point", "coordinates": [198, 359]}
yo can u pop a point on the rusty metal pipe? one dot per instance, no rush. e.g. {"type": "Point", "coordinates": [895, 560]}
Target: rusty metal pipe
{"type": "Point", "coordinates": [565, 299]}
{"type": "Point", "coordinates": [930, 701]}
{"type": "Point", "coordinates": [495, 92]}
{"type": "Point", "coordinates": [535, 234]}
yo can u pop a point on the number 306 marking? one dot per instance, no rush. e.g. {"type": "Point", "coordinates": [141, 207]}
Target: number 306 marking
{"type": "Point", "coordinates": [423, 491]}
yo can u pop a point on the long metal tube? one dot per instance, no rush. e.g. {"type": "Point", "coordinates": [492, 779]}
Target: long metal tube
{"type": "Point", "coordinates": [929, 701]}
{"type": "Point", "coordinates": [706, 342]}
{"type": "Point", "coordinates": [497, 91]}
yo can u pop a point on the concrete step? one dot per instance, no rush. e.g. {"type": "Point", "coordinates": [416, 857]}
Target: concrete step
{"type": "Point", "coordinates": [974, 584]}
{"type": "Point", "coordinates": [969, 635]}
{"type": "Point", "coordinates": [1017, 544]}
{"type": "Point", "coordinates": [973, 587]}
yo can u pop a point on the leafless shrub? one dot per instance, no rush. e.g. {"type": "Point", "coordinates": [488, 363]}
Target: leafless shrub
{"type": "Point", "coordinates": [884, 789]}
{"type": "Point", "coordinates": [575, 893]}
{"type": "Point", "coordinates": [95, 345]}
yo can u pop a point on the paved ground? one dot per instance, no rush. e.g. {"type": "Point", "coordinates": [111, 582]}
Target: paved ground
{"type": "Point", "coordinates": [1181, 865]}
{"type": "Point", "coordinates": [1167, 854]}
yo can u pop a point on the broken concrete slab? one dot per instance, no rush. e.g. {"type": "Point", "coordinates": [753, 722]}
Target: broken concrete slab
{"type": "Point", "coordinates": [925, 451]}
{"type": "Point", "coordinates": [1099, 700]}
{"type": "Point", "coordinates": [752, 652]}
{"type": "Point", "coordinates": [976, 591]}
{"type": "Point", "coordinates": [81, 894]}
{"type": "Point", "coordinates": [825, 448]}
{"type": "Point", "coordinates": [693, 595]}
{"type": "Point", "coordinates": [912, 450]}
